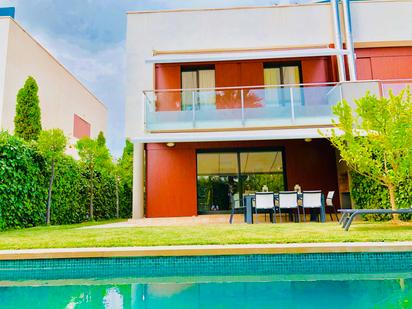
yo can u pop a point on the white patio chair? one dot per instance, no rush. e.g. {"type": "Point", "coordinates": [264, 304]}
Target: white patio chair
{"type": "Point", "coordinates": [288, 200]}
{"type": "Point", "coordinates": [265, 201]}
{"type": "Point", "coordinates": [329, 203]}
{"type": "Point", "coordinates": [311, 200]}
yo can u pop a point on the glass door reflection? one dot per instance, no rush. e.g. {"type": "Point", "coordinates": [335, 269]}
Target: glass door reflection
{"type": "Point", "coordinates": [223, 178]}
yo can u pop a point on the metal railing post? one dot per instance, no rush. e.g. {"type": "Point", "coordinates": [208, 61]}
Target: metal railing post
{"type": "Point", "coordinates": [292, 107]}
{"type": "Point", "coordinates": [242, 102]}
{"type": "Point", "coordinates": [193, 109]}
{"type": "Point", "coordinates": [382, 89]}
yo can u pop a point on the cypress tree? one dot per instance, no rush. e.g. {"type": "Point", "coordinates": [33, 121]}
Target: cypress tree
{"type": "Point", "coordinates": [101, 140]}
{"type": "Point", "coordinates": [27, 122]}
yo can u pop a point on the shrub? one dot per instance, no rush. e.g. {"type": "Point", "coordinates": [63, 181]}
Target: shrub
{"type": "Point", "coordinates": [368, 194]}
{"type": "Point", "coordinates": [125, 200]}
{"type": "Point", "coordinates": [23, 188]}
{"type": "Point", "coordinates": [70, 193]}
{"type": "Point", "coordinates": [104, 196]}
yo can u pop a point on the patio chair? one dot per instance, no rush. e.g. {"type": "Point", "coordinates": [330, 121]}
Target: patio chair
{"type": "Point", "coordinates": [312, 200]}
{"type": "Point", "coordinates": [329, 204]}
{"type": "Point", "coordinates": [265, 202]}
{"type": "Point", "coordinates": [236, 207]}
{"type": "Point", "coordinates": [288, 201]}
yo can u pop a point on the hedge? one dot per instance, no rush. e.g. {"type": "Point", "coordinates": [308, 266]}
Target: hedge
{"type": "Point", "coordinates": [22, 184]}
{"type": "Point", "coordinates": [368, 194]}
{"type": "Point", "coordinates": [24, 176]}
{"type": "Point", "coordinates": [69, 194]}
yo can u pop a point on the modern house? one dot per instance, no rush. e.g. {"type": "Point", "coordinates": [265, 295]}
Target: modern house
{"type": "Point", "coordinates": [65, 102]}
{"type": "Point", "coordinates": [222, 102]}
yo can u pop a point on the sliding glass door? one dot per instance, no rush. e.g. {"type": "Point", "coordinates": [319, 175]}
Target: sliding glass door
{"type": "Point", "coordinates": [198, 78]}
{"type": "Point", "coordinates": [224, 177]}
{"type": "Point", "coordinates": [278, 74]}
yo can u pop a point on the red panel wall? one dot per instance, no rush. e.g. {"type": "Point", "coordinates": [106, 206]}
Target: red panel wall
{"type": "Point", "coordinates": [364, 68]}
{"type": "Point", "coordinates": [170, 181]}
{"type": "Point", "coordinates": [252, 75]}
{"type": "Point", "coordinates": [168, 77]}
{"type": "Point", "coordinates": [81, 128]}
{"type": "Point", "coordinates": [171, 172]}
{"type": "Point", "coordinates": [228, 74]}
{"type": "Point", "coordinates": [384, 63]}
{"type": "Point", "coordinates": [316, 70]}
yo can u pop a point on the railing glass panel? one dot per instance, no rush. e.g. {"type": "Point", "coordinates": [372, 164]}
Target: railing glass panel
{"type": "Point", "coordinates": [248, 107]}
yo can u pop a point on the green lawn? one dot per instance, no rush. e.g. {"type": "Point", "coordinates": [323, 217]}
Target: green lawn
{"type": "Point", "coordinates": [70, 236]}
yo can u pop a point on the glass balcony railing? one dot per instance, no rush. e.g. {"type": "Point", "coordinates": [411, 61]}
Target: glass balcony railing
{"type": "Point", "coordinates": [249, 107]}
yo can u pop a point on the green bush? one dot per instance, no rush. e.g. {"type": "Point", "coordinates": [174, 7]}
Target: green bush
{"type": "Point", "coordinates": [69, 199]}
{"type": "Point", "coordinates": [125, 200]}
{"type": "Point", "coordinates": [367, 194]}
{"type": "Point", "coordinates": [104, 196]}
{"type": "Point", "coordinates": [23, 188]}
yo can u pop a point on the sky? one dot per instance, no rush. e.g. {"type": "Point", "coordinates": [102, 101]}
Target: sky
{"type": "Point", "coordinates": [88, 38]}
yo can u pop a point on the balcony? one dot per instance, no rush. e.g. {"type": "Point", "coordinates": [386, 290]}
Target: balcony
{"type": "Point", "coordinates": [235, 108]}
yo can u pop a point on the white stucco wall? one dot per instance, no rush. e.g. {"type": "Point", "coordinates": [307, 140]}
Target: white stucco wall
{"type": "Point", "coordinates": [61, 94]}
{"type": "Point", "coordinates": [4, 36]}
{"type": "Point", "coordinates": [380, 21]}
{"type": "Point", "coordinates": [246, 28]}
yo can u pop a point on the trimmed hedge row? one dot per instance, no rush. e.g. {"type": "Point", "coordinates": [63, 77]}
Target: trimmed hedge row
{"type": "Point", "coordinates": [22, 184]}
{"type": "Point", "coordinates": [367, 194]}
{"type": "Point", "coordinates": [24, 176]}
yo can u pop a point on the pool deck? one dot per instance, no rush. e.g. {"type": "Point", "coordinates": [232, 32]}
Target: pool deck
{"type": "Point", "coordinates": [198, 250]}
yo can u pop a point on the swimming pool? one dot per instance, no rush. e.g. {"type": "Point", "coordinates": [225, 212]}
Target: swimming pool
{"type": "Point", "coordinates": [335, 280]}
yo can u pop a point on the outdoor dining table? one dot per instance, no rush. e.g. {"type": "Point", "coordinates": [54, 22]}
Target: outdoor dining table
{"type": "Point", "coordinates": [248, 203]}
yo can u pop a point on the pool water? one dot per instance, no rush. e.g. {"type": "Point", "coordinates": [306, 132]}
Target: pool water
{"type": "Point", "coordinates": [249, 293]}
{"type": "Point", "coordinates": [329, 280]}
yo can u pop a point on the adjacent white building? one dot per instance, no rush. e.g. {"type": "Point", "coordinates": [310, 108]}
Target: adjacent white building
{"type": "Point", "coordinates": [65, 102]}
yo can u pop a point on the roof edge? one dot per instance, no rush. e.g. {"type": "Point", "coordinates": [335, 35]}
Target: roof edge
{"type": "Point", "coordinates": [224, 8]}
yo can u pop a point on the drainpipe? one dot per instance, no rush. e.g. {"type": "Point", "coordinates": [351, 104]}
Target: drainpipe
{"type": "Point", "coordinates": [349, 40]}
{"type": "Point", "coordinates": [338, 39]}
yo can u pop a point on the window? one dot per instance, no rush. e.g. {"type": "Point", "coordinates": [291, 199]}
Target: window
{"type": "Point", "coordinates": [281, 74]}
{"type": "Point", "coordinates": [195, 78]}
{"type": "Point", "coordinates": [224, 177]}
{"type": "Point", "coordinates": [81, 128]}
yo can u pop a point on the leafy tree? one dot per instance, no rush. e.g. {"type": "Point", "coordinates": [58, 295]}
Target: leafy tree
{"type": "Point", "coordinates": [125, 163]}
{"type": "Point", "coordinates": [51, 144]}
{"type": "Point", "coordinates": [93, 157]}
{"type": "Point", "coordinates": [27, 121]}
{"type": "Point", "coordinates": [377, 138]}
{"type": "Point", "coordinates": [124, 171]}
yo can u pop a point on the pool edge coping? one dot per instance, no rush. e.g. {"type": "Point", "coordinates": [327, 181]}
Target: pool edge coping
{"type": "Point", "coordinates": [204, 250]}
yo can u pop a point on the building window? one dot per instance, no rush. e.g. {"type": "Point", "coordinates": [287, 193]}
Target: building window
{"type": "Point", "coordinates": [278, 74]}
{"type": "Point", "coordinates": [81, 128]}
{"type": "Point", "coordinates": [195, 78]}
{"type": "Point", "coordinates": [224, 177]}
